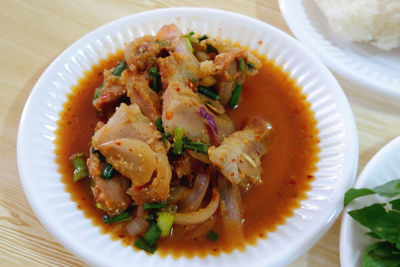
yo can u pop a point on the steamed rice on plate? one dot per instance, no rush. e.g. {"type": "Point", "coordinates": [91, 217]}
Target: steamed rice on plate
{"type": "Point", "coordinates": [373, 21]}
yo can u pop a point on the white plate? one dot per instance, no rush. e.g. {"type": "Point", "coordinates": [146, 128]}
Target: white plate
{"type": "Point", "coordinates": [359, 62]}
{"type": "Point", "coordinates": [52, 204]}
{"type": "Point", "coordinates": [382, 168]}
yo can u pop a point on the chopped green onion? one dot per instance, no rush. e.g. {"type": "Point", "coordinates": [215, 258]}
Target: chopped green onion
{"type": "Point", "coordinates": [108, 172]}
{"type": "Point", "coordinates": [250, 65]}
{"type": "Point", "coordinates": [160, 43]}
{"type": "Point", "coordinates": [155, 78]}
{"type": "Point", "coordinates": [242, 63]}
{"type": "Point", "coordinates": [97, 92]}
{"type": "Point", "coordinates": [204, 37]}
{"type": "Point", "coordinates": [125, 216]}
{"type": "Point", "coordinates": [237, 90]}
{"type": "Point", "coordinates": [152, 234]}
{"type": "Point", "coordinates": [154, 205]}
{"type": "Point", "coordinates": [119, 68]}
{"type": "Point", "coordinates": [101, 156]}
{"type": "Point", "coordinates": [159, 125]}
{"type": "Point", "coordinates": [212, 236]}
{"type": "Point", "coordinates": [165, 220]}
{"type": "Point", "coordinates": [80, 169]}
{"type": "Point", "coordinates": [190, 33]}
{"type": "Point", "coordinates": [196, 146]}
{"type": "Point", "coordinates": [207, 91]}
{"type": "Point", "coordinates": [211, 49]}
{"type": "Point", "coordinates": [188, 43]}
{"type": "Point", "coordinates": [142, 244]}
{"type": "Point", "coordinates": [177, 146]}
{"type": "Point", "coordinates": [99, 206]}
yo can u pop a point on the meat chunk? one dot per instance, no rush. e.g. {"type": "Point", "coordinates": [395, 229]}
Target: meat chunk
{"type": "Point", "coordinates": [181, 108]}
{"type": "Point", "coordinates": [182, 64]}
{"type": "Point", "coordinates": [111, 194]}
{"type": "Point", "coordinates": [139, 92]}
{"type": "Point", "coordinates": [239, 156]}
{"type": "Point", "coordinates": [129, 123]}
{"type": "Point", "coordinates": [141, 53]}
{"type": "Point", "coordinates": [111, 92]}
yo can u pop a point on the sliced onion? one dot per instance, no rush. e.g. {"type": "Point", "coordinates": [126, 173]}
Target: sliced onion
{"type": "Point", "coordinates": [200, 215]}
{"type": "Point", "coordinates": [230, 207]}
{"type": "Point", "coordinates": [140, 211]}
{"type": "Point", "coordinates": [137, 226]}
{"type": "Point", "coordinates": [193, 200]}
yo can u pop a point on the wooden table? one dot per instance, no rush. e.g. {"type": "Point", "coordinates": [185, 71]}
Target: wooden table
{"type": "Point", "coordinates": [33, 33]}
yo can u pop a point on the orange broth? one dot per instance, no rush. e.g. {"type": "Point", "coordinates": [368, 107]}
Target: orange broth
{"type": "Point", "coordinates": [288, 166]}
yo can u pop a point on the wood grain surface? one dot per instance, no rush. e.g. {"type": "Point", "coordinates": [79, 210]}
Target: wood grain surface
{"type": "Point", "coordinates": [33, 33]}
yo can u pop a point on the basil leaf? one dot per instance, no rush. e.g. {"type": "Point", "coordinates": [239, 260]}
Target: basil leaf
{"type": "Point", "coordinates": [385, 224]}
{"type": "Point", "coordinates": [382, 254]}
{"type": "Point", "coordinates": [395, 204]}
{"type": "Point", "coordinates": [390, 189]}
{"type": "Point", "coordinates": [353, 193]}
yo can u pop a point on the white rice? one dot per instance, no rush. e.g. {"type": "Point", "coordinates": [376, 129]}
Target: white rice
{"type": "Point", "coordinates": [373, 21]}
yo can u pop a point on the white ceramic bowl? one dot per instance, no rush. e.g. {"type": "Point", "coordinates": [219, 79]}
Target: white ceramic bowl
{"type": "Point", "coordinates": [359, 62]}
{"type": "Point", "coordinates": [382, 168]}
{"type": "Point", "coordinates": [52, 204]}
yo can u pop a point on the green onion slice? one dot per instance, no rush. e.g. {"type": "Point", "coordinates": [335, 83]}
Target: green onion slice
{"type": "Point", "coordinates": [211, 49]}
{"type": "Point", "coordinates": [80, 169]}
{"type": "Point", "coordinates": [237, 90]}
{"type": "Point", "coordinates": [204, 37]}
{"type": "Point", "coordinates": [207, 91]}
{"type": "Point", "coordinates": [119, 68]}
{"type": "Point", "coordinates": [142, 244]}
{"type": "Point", "coordinates": [154, 205]}
{"type": "Point", "coordinates": [155, 78]}
{"type": "Point", "coordinates": [97, 92]}
{"type": "Point", "coordinates": [108, 172]}
{"type": "Point", "coordinates": [242, 63]}
{"type": "Point", "coordinates": [177, 146]}
{"type": "Point", "coordinates": [125, 216]}
{"type": "Point", "coordinates": [152, 234]}
{"type": "Point", "coordinates": [188, 43]}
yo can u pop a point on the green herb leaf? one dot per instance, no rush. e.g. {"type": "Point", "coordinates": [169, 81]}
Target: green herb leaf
{"type": "Point", "coordinates": [250, 65]}
{"type": "Point", "coordinates": [155, 78]}
{"type": "Point", "coordinates": [212, 236]}
{"type": "Point", "coordinates": [385, 224]}
{"type": "Point", "coordinates": [382, 254]}
{"type": "Point", "coordinates": [390, 189]}
{"type": "Point", "coordinates": [154, 205]}
{"type": "Point", "coordinates": [142, 244]}
{"type": "Point", "coordinates": [126, 215]}
{"type": "Point", "coordinates": [353, 193]}
{"type": "Point", "coordinates": [395, 204]}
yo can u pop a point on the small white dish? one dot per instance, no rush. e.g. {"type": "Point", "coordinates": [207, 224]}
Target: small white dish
{"type": "Point", "coordinates": [382, 168]}
{"type": "Point", "coordinates": [52, 204]}
{"type": "Point", "coordinates": [359, 62]}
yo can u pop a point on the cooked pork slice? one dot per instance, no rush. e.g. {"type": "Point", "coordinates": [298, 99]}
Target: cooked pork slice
{"type": "Point", "coordinates": [131, 141]}
{"type": "Point", "coordinates": [139, 92]}
{"type": "Point", "coordinates": [229, 74]}
{"type": "Point", "coordinates": [239, 156]}
{"type": "Point", "coordinates": [184, 108]}
{"type": "Point", "coordinates": [141, 53]}
{"type": "Point", "coordinates": [111, 195]}
{"type": "Point", "coordinates": [112, 91]}
{"type": "Point", "coordinates": [182, 65]}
